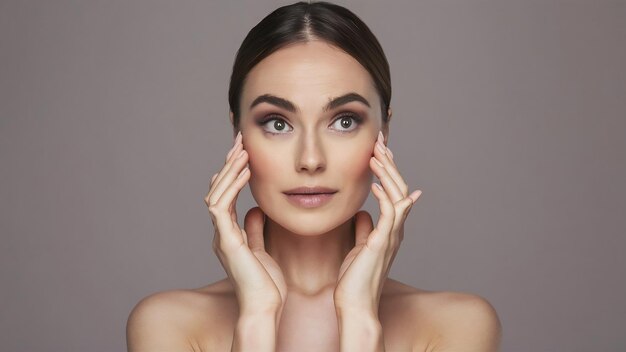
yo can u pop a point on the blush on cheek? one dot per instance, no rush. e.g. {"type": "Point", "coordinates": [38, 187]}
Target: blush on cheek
{"type": "Point", "coordinates": [366, 170]}
{"type": "Point", "coordinates": [356, 175]}
{"type": "Point", "coordinates": [357, 166]}
{"type": "Point", "coordinates": [261, 160]}
{"type": "Point", "coordinates": [263, 168]}
{"type": "Point", "coordinates": [365, 155]}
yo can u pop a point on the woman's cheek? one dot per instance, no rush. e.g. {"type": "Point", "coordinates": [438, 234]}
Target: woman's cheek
{"type": "Point", "coordinates": [357, 165]}
{"type": "Point", "coordinates": [267, 175]}
{"type": "Point", "coordinates": [261, 166]}
{"type": "Point", "coordinates": [364, 159]}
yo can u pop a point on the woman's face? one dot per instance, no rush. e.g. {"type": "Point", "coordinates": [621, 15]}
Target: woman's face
{"type": "Point", "coordinates": [300, 132]}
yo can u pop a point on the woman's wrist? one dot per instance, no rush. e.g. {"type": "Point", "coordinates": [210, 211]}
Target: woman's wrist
{"type": "Point", "coordinates": [352, 308]}
{"type": "Point", "coordinates": [256, 332]}
{"type": "Point", "coordinates": [362, 317]}
{"type": "Point", "coordinates": [359, 330]}
{"type": "Point", "coordinates": [261, 314]}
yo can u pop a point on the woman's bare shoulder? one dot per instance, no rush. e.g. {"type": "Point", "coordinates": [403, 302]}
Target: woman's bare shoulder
{"type": "Point", "coordinates": [429, 299]}
{"type": "Point", "coordinates": [183, 302]}
{"type": "Point", "coordinates": [181, 316]}
{"type": "Point", "coordinates": [445, 318]}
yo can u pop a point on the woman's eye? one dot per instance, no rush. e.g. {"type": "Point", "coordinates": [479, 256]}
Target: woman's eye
{"type": "Point", "coordinates": [346, 123]}
{"type": "Point", "coordinates": [275, 126]}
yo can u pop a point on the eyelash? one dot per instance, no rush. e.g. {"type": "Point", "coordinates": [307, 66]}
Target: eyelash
{"type": "Point", "coordinates": [358, 120]}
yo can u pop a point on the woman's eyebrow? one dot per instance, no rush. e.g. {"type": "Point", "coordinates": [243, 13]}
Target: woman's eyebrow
{"type": "Point", "coordinates": [345, 99]}
{"type": "Point", "coordinates": [291, 107]}
{"type": "Point", "coordinates": [274, 100]}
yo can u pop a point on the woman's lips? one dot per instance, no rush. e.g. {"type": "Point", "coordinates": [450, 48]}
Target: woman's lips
{"type": "Point", "coordinates": [312, 200]}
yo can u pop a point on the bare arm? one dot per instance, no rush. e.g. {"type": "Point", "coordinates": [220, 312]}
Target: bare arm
{"type": "Point", "coordinates": [258, 281]}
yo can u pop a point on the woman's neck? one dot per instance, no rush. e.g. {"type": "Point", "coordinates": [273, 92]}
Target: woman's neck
{"type": "Point", "coordinates": [310, 264]}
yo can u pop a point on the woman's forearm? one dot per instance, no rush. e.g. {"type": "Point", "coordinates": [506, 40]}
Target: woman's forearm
{"type": "Point", "coordinates": [256, 332]}
{"type": "Point", "coordinates": [360, 332]}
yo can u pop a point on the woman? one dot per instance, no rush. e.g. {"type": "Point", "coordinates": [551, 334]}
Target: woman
{"type": "Point", "coordinates": [309, 99]}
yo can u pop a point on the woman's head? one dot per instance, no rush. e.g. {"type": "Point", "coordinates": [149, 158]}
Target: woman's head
{"type": "Point", "coordinates": [310, 110]}
{"type": "Point", "coordinates": [301, 23]}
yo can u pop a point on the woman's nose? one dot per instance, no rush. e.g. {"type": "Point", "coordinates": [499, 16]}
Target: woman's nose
{"type": "Point", "coordinates": [311, 156]}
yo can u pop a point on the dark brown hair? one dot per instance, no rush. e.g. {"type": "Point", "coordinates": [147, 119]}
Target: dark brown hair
{"type": "Point", "coordinates": [302, 22]}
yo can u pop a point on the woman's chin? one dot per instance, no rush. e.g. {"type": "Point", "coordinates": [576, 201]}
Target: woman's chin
{"type": "Point", "coordinates": [309, 226]}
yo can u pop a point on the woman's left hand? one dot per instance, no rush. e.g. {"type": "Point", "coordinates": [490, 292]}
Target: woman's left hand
{"type": "Point", "coordinates": [365, 268]}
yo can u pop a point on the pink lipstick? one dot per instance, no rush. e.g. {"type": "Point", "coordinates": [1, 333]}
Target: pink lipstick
{"type": "Point", "coordinates": [310, 197]}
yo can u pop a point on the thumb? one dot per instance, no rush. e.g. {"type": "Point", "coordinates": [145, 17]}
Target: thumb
{"type": "Point", "coordinates": [253, 225]}
{"type": "Point", "coordinates": [363, 226]}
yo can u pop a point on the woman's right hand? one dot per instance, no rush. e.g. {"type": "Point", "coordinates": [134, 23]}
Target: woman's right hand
{"type": "Point", "coordinates": [258, 281]}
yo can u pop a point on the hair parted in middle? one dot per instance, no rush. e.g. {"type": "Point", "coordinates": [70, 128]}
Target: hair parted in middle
{"type": "Point", "coordinates": [306, 21]}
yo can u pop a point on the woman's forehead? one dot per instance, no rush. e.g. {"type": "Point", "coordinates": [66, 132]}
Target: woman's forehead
{"type": "Point", "coordinates": [308, 73]}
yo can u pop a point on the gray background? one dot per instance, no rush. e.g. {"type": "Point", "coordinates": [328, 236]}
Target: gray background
{"type": "Point", "coordinates": [510, 116]}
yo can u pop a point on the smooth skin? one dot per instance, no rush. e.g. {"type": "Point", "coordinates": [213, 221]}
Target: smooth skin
{"type": "Point", "coordinates": [322, 280]}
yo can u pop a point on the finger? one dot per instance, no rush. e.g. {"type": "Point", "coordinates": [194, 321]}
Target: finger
{"type": "Point", "coordinates": [392, 169]}
{"type": "Point", "coordinates": [389, 185]}
{"type": "Point", "coordinates": [220, 208]}
{"type": "Point", "coordinates": [206, 198]}
{"type": "Point", "coordinates": [390, 154]}
{"type": "Point", "coordinates": [228, 157]}
{"type": "Point", "coordinates": [415, 195]}
{"type": "Point", "coordinates": [380, 234]}
{"type": "Point", "coordinates": [229, 161]}
{"type": "Point", "coordinates": [220, 185]}
{"type": "Point", "coordinates": [253, 225]}
{"type": "Point", "coordinates": [235, 143]}
{"type": "Point", "coordinates": [383, 149]}
{"type": "Point", "coordinates": [402, 204]}
{"type": "Point", "coordinates": [218, 176]}
{"type": "Point", "coordinates": [406, 205]}
{"type": "Point", "coordinates": [233, 217]}
{"type": "Point", "coordinates": [403, 208]}
{"type": "Point", "coordinates": [233, 208]}
{"type": "Point", "coordinates": [363, 226]}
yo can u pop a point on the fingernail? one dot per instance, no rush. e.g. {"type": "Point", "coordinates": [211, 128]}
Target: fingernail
{"type": "Point", "coordinates": [381, 138]}
{"type": "Point", "coordinates": [415, 195]}
{"type": "Point", "coordinates": [241, 153]}
{"type": "Point", "coordinates": [378, 162]}
{"type": "Point", "coordinates": [379, 186]}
